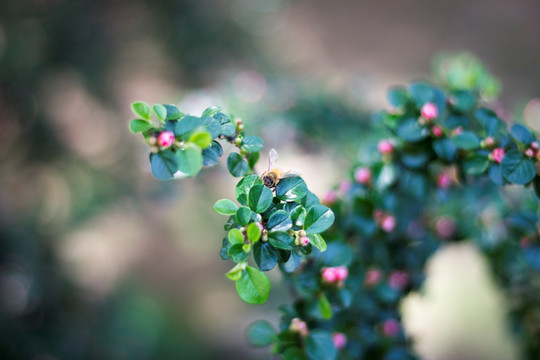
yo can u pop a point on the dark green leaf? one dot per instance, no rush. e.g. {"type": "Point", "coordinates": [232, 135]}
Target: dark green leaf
{"type": "Point", "coordinates": [164, 164]}
{"type": "Point", "coordinates": [190, 160]}
{"type": "Point", "coordinates": [489, 121]}
{"type": "Point", "coordinates": [228, 128]}
{"type": "Point", "coordinates": [466, 140]}
{"type": "Point", "coordinates": [253, 287]}
{"type": "Point", "coordinates": [260, 333]}
{"type": "Point", "coordinates": [138, 125]}
{"type": "Point", "coordinates": [266, 256]}
{"type": "Point", "coordinates": [211, 111]}
{"type": "Point", "coordinates": [397, 97]}
{"type": "Point", "coordinates": [212, 153]}
{"type": "Point", "coordinates": [281, 240]}
{"type": "Point", "coordinates": [319, 345]}
{"type": "Point", "coordinates": [224, 253]}
{"type": "Point", "coordinates": [445, 149]}
{"type": "Point", "coordinates": [318, 219]}
{"type": "Point", "coordinates": [337, 254]}
{"type": "Point", "coordinates": [260, 198]}
{"type": "Point", "coordinates": [536, 185]}
{"type": "Point", "coordinates": [292, 263]}
{"type": "Point", "coordinates": [243, 215]}
{"type": "Point", "coordinates": [237, 252]}
{"type": "Point", "coordinates": [225, 207]}
{"type": "Point", "coordinates": [521, 134]}
{"type": "Point", "coordinates": [291, 189]}
{"type": "Point", "coordinates": [237, 165]}
{"type": "Point", "coordinates": [252, 144]}
{"type": "Point", "coordinates": [495, 174]}
{"type": "Point", "coordinates": [185, 126]}
{"type": "Point", "coordinates": [421, 93]}
{"type": "Point", "coordinates": [279, 221]}
{"type": "Point", "coordinates": [243, 187]}
{"type": "Point", "coordinates": [142, 110]}
{"type": "Point", "coordinates": [172, 112]}
{"type": "Point", "coordinates": [463, 101]}
{"type": "Point", "coordinates": [411, 131]}
{"type": "Point", "coordinates": [212, 126]}
{"type": "Point", "coordinates": [298, 215]}
{"type": "Point", "coordinates": [516, 168]}
{"type": "Point", "coordinates": [476, 164]}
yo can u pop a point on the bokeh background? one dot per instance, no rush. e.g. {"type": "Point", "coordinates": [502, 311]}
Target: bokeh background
{"type": "Point", "coordinates": [100, 261]}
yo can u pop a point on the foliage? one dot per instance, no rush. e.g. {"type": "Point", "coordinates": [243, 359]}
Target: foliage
{"type": "Point", "coordinates": [445, 149]}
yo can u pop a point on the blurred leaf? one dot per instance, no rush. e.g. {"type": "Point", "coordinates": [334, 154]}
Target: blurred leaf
{"type": "Point", "coordinates": [411, 131]}
{"type": "Point", "coordinates": [466, 140]}
{"type": "Point", "coordinates": [445, 149]}
{"type": "Point", "coordinates": [190, 160]}
{"type": "Point", "coordinates": [186, 125]}
{"type": "Point", "coordinates": [225, 207]}
{"type": "Point", "coordinates": [397, 96]}
{"type": "Point", "coordinates": [202, 139]}
{"type": "Point", "coordinates": [172, 112]}
{"type": "Point", "coordinates": [516, 168]}
{"type": "Point", "coordinates": [212, 154]}
{"type": "Point", "coordinates": [521, 134]}
{"type": "Point", "coordinates": [138, 125]}
{"type": "Point", "coordinates": [253, 232]}
{"type": "Point", "coordinates": [164, 164]}
{"type": "Point", "coordinates": [160, 111]}
{"type": "Point", "coordinates": [317, 241]}
{"type": "Point", "coordinates": [142, 110]}
{"type": "Point", "coordinates": [476, 164]}
{"type": "Point", "coordinates": [319, 346]}
{"type": "Point", "coordinates": [260, 333]}
{"type": "Point", "coordinates": [324, 306]}
{"type": "Point", "coordinates": [237, 165]}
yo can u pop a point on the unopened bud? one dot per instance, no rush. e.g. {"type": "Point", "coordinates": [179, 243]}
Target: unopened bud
{"type": "Point", "coordinates": [444, 181]}
{"type": "Point", "coordinates": [299, 326]}
{"type": "Point", "coordinates": [362, 175]}
{"type": "Point", "coordinates": [388, 223]}
{"type": "Point", "coordinates": [497, 154]}
{"type": "Point", "coordinates": [373, 277]}
{"type": "Point", "coordinates": [339, 340]}
{"type": "Point", "coordinates": [303, 240]}
{"type": "Point", "coordinates": [385, 147]}
{"type": "Point", "coordinates": [437, 131]}
{"type": "Point", "coordinates": [446, 227]}
{"type": "Point", "coordinates": [390, 328]}
{"type": "Point", "coordinates": [329, 275]}
{"type": "Point", "coordinates": [489, 141]}
{"type": "Point", "coordinates": [529, 153]}
{"type": "Point", "coordinates": [330, 197]}
{"type": "Point", "coordinates": [165, 139]}
{"type": "Point", "coordinates": [429, 111]}
{"type": "Point", "coordinates": [341, 273]}
{"type": "Point", "coordinates": [398, 279]}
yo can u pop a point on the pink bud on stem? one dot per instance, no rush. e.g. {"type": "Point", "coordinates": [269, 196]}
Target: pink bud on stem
{"type": "Point", "coordinates": [165, 139]}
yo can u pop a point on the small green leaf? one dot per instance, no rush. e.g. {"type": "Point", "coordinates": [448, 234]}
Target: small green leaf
{"type": "Point", "coordinates": [260, 198]}
{"type": "Point", "coordinates": [225, 207]}
{"type": "Point", "coordinates": [237, 165]}
{"type": "Point", "coordinates": [160, 111]}
{"type": "Point", "coordinates": [324, 307]}
{"type": "Point", "coordinates": [411, 131]}
{"type": "Point", "coordinates": [235, 236]}
{"type": "Point", "coordinates": [521, 134]}
{"type": "Point", "coordinates": [387, 177]}
{"type": "Point", "coordinates": [279, 221]}
{"type": "Point", "coordinates": [445, 149]}
{"type": "Point", "coordinates": [252, 144]}
{"type": "Point", "coordinates": [172, 112]}
{"type": "Point", "coordinates": [164, 164]}
{"type": "Point", "coordinates": [186, 125]}
{"type": "Point", "coordinates": [190, 160]}
{"type": "Point", "coordinates": [298, 214]}
{"type": "Point", "coordinates": [318, 219]}
{"type": "Point", "coordinates": [397, 96]}
{"type": "Point", "coordinates": [254, 286]}
{"type": "Point", "coordinates": [490, 123]}
{"type": "Point", "coordinates": [421, 92]}
{"type": "Point", "coordinates": [238, 253]}
{"type": "Point", "coordinates": [516, 168]}
{"type": "Point", "coordinates": [463, 101]}
{"type": "Point", "coordinates": [142, 110]}
{"type": "Point", "coordinates": [211, 154]}
{"type": "Point", "coordinates": [243, 187]}
{"type": "Point", "coordinates": [291, 188]}
{"type": "Point", "coordinates": [319, 346]}
{"type": "Point", "coordinates": [476, 164]}
{"type": "Point", "coordinates": [224, 252]}
{"type": "Point", "coordinates": [243, 215]}
{"type": "Point", "coordinates": [253, 231]}
{"type": "Point", "coordinates": [211, 111]}
{"type": "Point", "coordinates": [260, 333]}
{"type": "Point", "coordinates": [202, 139]}
{"type": "Point", "coordinates": [138, 125]}
{"type": "Point", "coordinates": [466, 140]}
{"type": "Point", "coordinates": [281, 240]}
{"type": "Point", "coordinates": [266, 256]}
{"type": "Point", "coordinates": [235, 273]}
{"type": "Point", "coordinates": [318, 241]}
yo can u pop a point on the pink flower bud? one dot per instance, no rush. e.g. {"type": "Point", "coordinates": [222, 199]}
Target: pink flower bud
{"type": "Point", "coordinates": [498, 154]}
{"type": "Point", "coordinates": [390, 328]}
{"type": "Point", "coordinates": [444, 181]}
{"type": "Point", "coordinates": [535, 145]}
{"type": "Point", "coordinates": [457, 131]}
{"type": "Point", "coordinates": [345, 186]}
{"type": "Point", "coordinates": [330, 197]}
{"type": "Point", "coordinates": [446, 227]}
{"type": "Point", "coordinates": [437, 131]}
{"type": "Point", "coordinates": [340, 340]}
{"type": "Point", "coordinates": [362, 175]}
{"type": "Point", "coordinates": [260, 226]}
{"type": "Point", "coordinates": [388, 223]}
{"type": "Point", "coordinates": [385, 147]}
{"type": "Point", "coordinates": [165, 139]}
{"type": "Point", "coordinates": [329, 275]}
{"type": "Point", "coordinates": [303, 240]}
{"type": "Point", "coordinates": [430, 111]}
{"type": "Point", "coordinates": [373, 277]}
{"type": "Point", "coordinates": [398, 279]}
{"type": "Point", "coordinates": [341, 273]}
{"type": "Point", "coordinates": [299, 326]}
{"type": "Point", "coordinates": [529, 153]}
{"type": "Point", "coordinates": [489, 141]}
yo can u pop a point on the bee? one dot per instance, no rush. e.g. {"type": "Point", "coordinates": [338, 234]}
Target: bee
{"type": "Point", "coordinates": [272, 176]}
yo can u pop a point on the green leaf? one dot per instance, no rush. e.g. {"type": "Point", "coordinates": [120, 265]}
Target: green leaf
{"type": "Point", "coordinates": [253, 232]}
{"type": "Point", "coordinates": [298, 215]}
{"type": "Point", "coordinates": [228, 128]}
{"type": "Point", "coordinates": [279, 221]}
{"type": "Point", "coordinates": [252, 144]}
{"type": "Point", "coordinates": [466, 140]}
{"type": "Point", "coordinates": [225, 207]}
{"type": "Point", "coordinates": [489, 121]}
{"type": "Point", "coordinates": [387, 177]}
{"type": "Point", "coordinates": [202, 139]}
{"type": "Point", "coordinates": [445, 149]}
{"type": "Point", "coordinates": [235, 273]}
{"type": "Point", "coordinates": [260, 198]}
{"type": "Point", "coordinates": [243, 215]}
{"type": "Point", "coordinates": [338, 254]}
{"type": "Point", "coordinates": [243, 187]}
{"type": "Point", "coordinates": [281, 240]}
{"type": "Point", "coordinates": [172, 112]}
{"type": "Point", "coordinates": [235, 237]}
{"type": "Point", "coordinates": [160, 111]}
{"type": "Point", "coordinates": [190, 160]}
{"type": "Point", "coordinates": [291, 188]}
{"type": "Point", "coordinates": [142, 110]}
{"type": "Point", "coordinates": [476, 164]}
{"type": "Point", "coordinates": [318, 219]}
{"type": "Point", "coordinates": [319, 346]}
{"type": "Point", "coordinates": [164, 164]}
{"type": "Point", "coordinates": [211, 154]}
{"type": "Point", "coordinates": [266, 256]}
{"type": "Point", "coordinates": [138, 125]}
{"type": "Point", "coordinates": [238, 253]}
{"type": "Point", "coordinates": [421, 92]}
{"type": "Point", "coordinates": [324, 307]}
{"type": "Point", "coordinates": [237, 165]}
{"type": "Point", "coordinates": [411, 131]}
{"type": "Point", "coordinates": [463, 101]}
{"type": "Point", "coordinates": [212, 126]}
{"type": "Point", "coordinates": [211, 111]}
{"type": "Point", "coordinates": [186, 125]}
{"type": "Point", "coordinates": [224, 252]}
{"type": "Point", "coordinates": [260, 333]}
{"type": "Point", "coordinates": [318, 241]}
{"type": "Point", "coordinates": [495, 174]}
{"type": "Point", "coordinates": [254, 286]}
{"type": "Point", "coordinates": [397, 97]}
{"type": "Point", "coordinates": [516, 168]}
{"type": "Point", "coordinates": [521, 134]}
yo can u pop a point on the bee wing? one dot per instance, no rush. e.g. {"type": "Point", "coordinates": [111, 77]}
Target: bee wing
{"type": "Point", "coordinates": [272, 157]}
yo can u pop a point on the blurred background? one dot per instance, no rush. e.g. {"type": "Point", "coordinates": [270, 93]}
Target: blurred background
{"type": "Point", "coordinates": [100, 261]}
